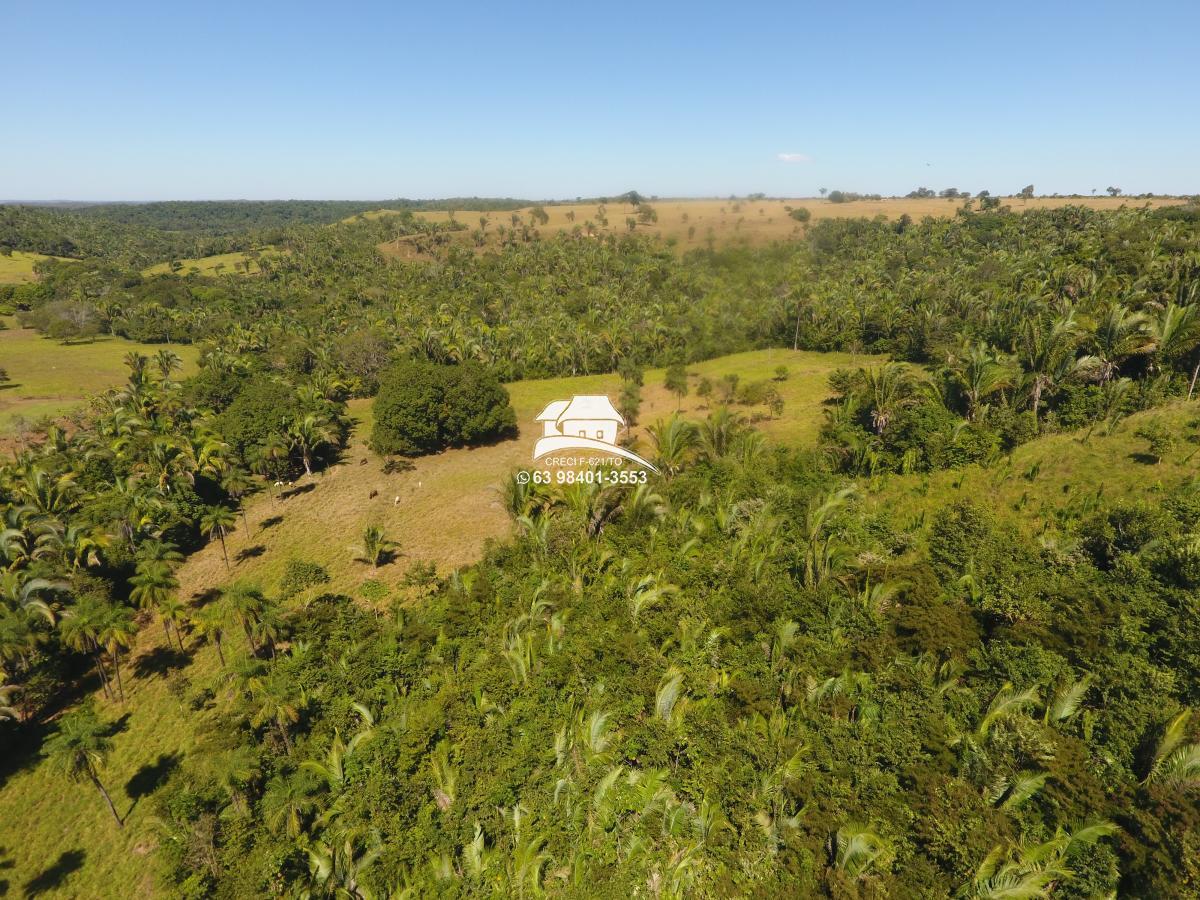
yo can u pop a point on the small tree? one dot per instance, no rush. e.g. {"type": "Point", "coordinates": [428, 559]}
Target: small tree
{"type": "Point", "coordinates": [676, 382]}
{"type": "Point", "coordinates": [1160, 438]}
{"type": "Point", "coordinates": [1026, 193]}
{"type": "Point", "coordinates": [1113, 191]}
{"type": "Point", "coordinates": [629, 403]}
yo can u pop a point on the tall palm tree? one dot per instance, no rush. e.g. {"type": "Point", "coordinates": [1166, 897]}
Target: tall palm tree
{"type": "Point", "coordinates": [117, 632]}
{"type": "Point", "coordinates": [79, 749]}
{"type": "Point", "coordinates": [80, 628]}
{"type": "Point", "coordinates": [237, 484]}
{"type": "Point", "coordinates": [275, 703]}
{"type": "Point", "coordinates": [153, 582]}
{"type": "Point", "coordinates": [209, 622]}
{"type": "Point", "coordinates": [246, 602]}
{"type": "Point", "coordinates": [218, 519]}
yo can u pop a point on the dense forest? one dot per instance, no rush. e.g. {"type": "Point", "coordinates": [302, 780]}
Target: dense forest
{"type": "Point", "coordinates": [734, 679]}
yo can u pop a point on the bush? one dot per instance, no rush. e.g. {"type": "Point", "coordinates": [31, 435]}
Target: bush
{"type": "Point", "coordinates": [299, 575]}
{"type": "Point", "coordinates": [423, 407]}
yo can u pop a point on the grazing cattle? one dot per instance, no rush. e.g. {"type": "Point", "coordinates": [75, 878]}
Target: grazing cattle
{"type": "Point", "coordinates": [396, 500]}
{"type": "Point", "coordinates": [373, 495]}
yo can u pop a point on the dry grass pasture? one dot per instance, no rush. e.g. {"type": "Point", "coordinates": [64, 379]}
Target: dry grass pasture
{"type": "Point", "coordinates": [694, 223]}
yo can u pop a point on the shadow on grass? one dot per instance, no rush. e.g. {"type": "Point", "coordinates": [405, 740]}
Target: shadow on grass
{"type": "Point", "coordinates": [1146, 459]}
{"type": "Point", "coordinates": [206, 596]}
{"type": "Point", "coordinates": [52, 877]}
{"type": "Point", "coordinates": [297, 491]}
{"type": "Point", "coordinates": [159, 661]}
{"type": "Point", "coordinates": [146, 780]}
{"type": "Point", "coordinates": [250, 553]}
{"type": "Point", "coordinates": [270, 522]}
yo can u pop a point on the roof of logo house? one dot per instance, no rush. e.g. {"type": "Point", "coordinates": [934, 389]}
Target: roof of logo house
{"type": "Point", "coordinates": [585, 422]}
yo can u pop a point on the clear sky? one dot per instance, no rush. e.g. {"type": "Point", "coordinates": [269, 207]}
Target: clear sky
{"type": "Point", "coordinates": [148, 101]}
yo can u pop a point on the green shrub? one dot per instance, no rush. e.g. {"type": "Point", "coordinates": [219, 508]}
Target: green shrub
{"type": "Point", "coordinates": [299, 575]}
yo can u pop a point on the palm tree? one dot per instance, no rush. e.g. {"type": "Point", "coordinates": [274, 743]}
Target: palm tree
{"type": "Point", "coordinates": [153, 582]}
{"type": "Point", "coordinates": [117, 632]}
{"type": "Point", "coordinates": [1175, 763]}
{"type": "Point", "coordinates": [818, 553]}
{"type": "Point", "coordinates": [247, 603]}
{"type": "Point", "coordinates": [718, 431]}
{"type": "Point", "coordinates": [307, 434]}
{"type": "Point", "coordinates": [237, 484]}
{"type": "Point", "coordinates": [275, 704]}
{"type": "Point", "coordinates": [375, 549]}
{"type": "Point", "coordinates": [672, 440]}
{"type": "Point", "coordinates": [79, 749]}
{"type": "Point", "coordinates": [218, 519]}
{"type": "Point", "coordinates": [80, 628]}
{"type": "Point", "coordinates": [286, 802]}
{"type": "Point", "coordinates": [1119, 335]}
{"type": "Point", "coordinates": [889, 388]}
{"type": "Point", "coordinates": [859, 850]}
{"type": "Point", "coordinates": [173, 611]}
{"type": "Point", "coordinates": [209, 623]}
{"type": "Point", "coordinates": [1049, 355]}
{"type": "Point", "coordinates": [20, 592]}
{"type": "Point", "coordinates": [980, 372]}
{"type": "Point", "coordinates": [1174, 333]}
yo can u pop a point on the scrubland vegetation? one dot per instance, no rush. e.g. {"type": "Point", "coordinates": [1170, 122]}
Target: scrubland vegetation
{"type": "Point", "coordinates": [920, 624]}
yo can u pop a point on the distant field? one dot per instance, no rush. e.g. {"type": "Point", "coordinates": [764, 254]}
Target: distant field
{"type": "Point", "coordinates": [49, 378]}
{"type": "Point", "coordinates": [692, 223]}
{"type": "Point", "coordinates": [18, 268]}
{"type": "Point", "coordinates": [240, 263]}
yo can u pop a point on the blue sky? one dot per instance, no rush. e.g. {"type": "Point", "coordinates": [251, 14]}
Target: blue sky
{"type": "Point", "coordinates": [148, 101]}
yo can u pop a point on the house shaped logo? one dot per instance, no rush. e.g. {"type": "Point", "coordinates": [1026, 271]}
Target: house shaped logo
{"type": "Point", "coordinates": [585, 422]}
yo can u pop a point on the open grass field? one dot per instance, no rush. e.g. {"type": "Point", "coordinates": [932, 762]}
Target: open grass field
{"type": "Point", "coordinates": [240, 263]}
{"type": "Point", "coordinates": [17, 268]}
{"type": "Point", "coordinates": [49, 378]}
{"type": "Point", "coordinates": [694, 223]}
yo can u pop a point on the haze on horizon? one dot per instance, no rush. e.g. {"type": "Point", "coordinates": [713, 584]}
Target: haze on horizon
{"type": "Point", "coordinates": [274, 101]}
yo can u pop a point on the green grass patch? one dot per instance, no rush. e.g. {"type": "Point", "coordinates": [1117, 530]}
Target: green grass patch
{"type": "Point", "coordinates": [49, 378]}
{"type": "Point", "coordinates": [239, 263]}
{"type": "Point", "coordinates": [17, 268]}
